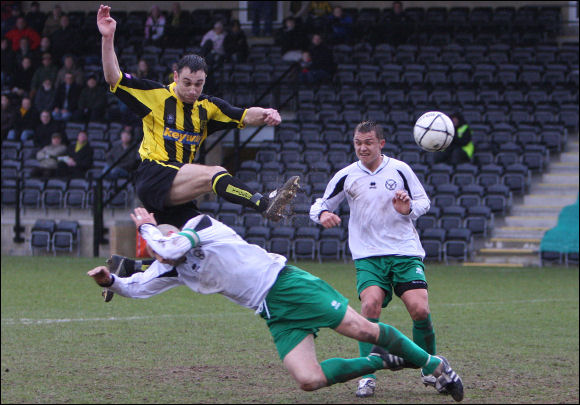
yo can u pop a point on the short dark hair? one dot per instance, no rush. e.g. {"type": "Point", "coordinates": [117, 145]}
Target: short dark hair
{"type": "Point", "coordinates": [369, 126]}
{"type": "Point", "coordinates": [193, 62]}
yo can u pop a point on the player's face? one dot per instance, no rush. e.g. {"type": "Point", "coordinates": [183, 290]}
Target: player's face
{"type": "Point", "coordinates": [368, 148]}
{"type": "Point", "coordinates": [189, 84]}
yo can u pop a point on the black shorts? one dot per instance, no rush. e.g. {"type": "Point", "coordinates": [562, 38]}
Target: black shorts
{"type": "Point", "coordinates": [153, 183]}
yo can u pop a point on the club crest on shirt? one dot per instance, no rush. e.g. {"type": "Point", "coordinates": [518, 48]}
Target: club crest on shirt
{"type": "Point", "coordinates": [170, 119]}
{"type": "Point", "coordinates": [391, 184]}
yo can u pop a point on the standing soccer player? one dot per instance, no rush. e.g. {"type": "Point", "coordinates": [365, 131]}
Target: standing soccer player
{"type": "Point", "coordinates": [176, 120]}
{"type": "Point", "coordinates": [384, 196]}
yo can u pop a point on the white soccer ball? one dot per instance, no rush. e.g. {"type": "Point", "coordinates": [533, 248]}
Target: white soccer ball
{"type": "Point", "coordinates": [434, 131]}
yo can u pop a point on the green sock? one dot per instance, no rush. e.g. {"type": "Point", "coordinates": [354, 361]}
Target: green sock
{"type": "Point", "coordinates": [233, 190]}
{"type": "Point", "coordinates": [339, 370]}
{"type": "Point", "coordinates": [424, 335]}
{"type": "Point", "coordinates": [400, 345]}
{"type": "Point", "coordinates": [364, 348]}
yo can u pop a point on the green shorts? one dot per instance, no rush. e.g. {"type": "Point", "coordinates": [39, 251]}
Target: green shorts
{"type": "Point", "coordinates": [299, 304]}
{"type": "Point", "coordinates": [406, 272]}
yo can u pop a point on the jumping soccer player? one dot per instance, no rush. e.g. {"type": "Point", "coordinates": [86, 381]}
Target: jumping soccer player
{"type": "Point", "coordinates": [176, 120]}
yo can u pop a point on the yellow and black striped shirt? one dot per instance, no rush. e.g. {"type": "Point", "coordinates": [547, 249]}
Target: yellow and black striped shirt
{"type": "Point", "coordinates": [173, 131]}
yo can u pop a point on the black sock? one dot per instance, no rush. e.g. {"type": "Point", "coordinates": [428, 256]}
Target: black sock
{"type": "Point", "coordinates": [233, 190]}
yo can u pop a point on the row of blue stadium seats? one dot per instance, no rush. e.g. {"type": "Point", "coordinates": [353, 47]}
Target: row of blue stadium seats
{"type": "Point", "coordinates": [50, 236]}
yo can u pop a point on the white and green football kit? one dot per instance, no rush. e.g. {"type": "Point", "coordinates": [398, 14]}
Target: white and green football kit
{"type": "Point", "coordinates": [375, 228]}
{"type": "Point", "coordinates": [217, 260]}
{"type": "Point", "coordinates": [385, 245]}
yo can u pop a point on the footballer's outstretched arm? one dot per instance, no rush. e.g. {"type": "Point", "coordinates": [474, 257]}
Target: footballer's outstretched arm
{"type": "Point", "coordinates": [107, 26]}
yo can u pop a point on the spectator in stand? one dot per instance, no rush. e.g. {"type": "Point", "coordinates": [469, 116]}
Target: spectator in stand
{"type": "Point", "coordinates": [8, 63]}
{"type": "Point", "coordinates": [305, 68]}
{"type": "Point", "coordinates": [23, 77]}
{"type": "Point", "coordinates": [78, 160]}
{"type": "Point", "coordinates": [212, 44]}
{"type": "Point", "coordinates": [340, 26]}
{"type": "Point", "coordinates": [52, 22]}
{"type": "Point", "coordinates": [67, 99]}
{"type": "Point", "coordinates": [11, 11]}
{"type": "Point", "coordinates": [35, 18]}
{"type": "Point", "coordinates": [396, 28]}
{"type": "Point", "coordinates": [236, 44]}
{"type": "Point", "coordinates": [46, 71]}
{"type": "Point", "coordinates": [169, 75]}
{"type": "Point", "coordinates": [261, 11]}
{"type": "Point", "coordinates": [143, 71]}
{"type": "Point", "coordinates": [9, 116]}
{"type": "Point", "coordinates": [65, 39]}
{"type": "Point", "coordinates": [317, 17]}
{"type": "Point", "coordinates": [154, 26]}
{"type": "Point", "coordinates": [21, 30]}
{"type": "Point", "coordinates": [92, 102]}
{"type": "Point", "coordinates": [45, 97]}
{"type": "Point", "coordinates": [26, 52]}
{"type": "Point", "coordinates": [323, 65]}
{"type": "Point", "coordinates": [45, 46]}
{"type": "Point", "coordinates": [129, 162]}
{"type": "Point", "coordinates": [177, 23]}
{"type": "Point", "coordinates": [461, 148]}
{"type": "Point", "coordinates": [26, 121]}
{"type": "Point", "coordinates": [292, 39]}
{"type": "Point", "coordinates": [69, 66]}
{"type": "Point", "coordinates": [44, 130]}
{"type": "Point", "coordinates": [48, 157]}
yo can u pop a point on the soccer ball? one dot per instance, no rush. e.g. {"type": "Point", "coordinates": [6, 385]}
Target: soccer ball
{"type": "Point", "coordinates": [434, 131]}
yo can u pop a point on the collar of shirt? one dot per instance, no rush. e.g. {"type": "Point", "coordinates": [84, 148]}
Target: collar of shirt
{"type": "Point", "coordinates": [383, 164]}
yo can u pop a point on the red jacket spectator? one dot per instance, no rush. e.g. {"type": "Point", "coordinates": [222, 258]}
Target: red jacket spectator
{"type": "Point", "coordinates": [20, 31]}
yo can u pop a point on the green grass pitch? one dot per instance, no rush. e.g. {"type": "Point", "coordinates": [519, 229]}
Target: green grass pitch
{"type": "Point", "coordinates": [512, 334]}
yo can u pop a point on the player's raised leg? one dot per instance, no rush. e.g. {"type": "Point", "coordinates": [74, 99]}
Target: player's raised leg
{"type": "Point", "coordinates": [193, 180]}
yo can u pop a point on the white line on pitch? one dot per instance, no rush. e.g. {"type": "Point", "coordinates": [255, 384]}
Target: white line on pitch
{"type": "Point", "coordinates": [26, 321]}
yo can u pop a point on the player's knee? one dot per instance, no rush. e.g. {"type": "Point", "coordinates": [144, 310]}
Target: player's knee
{"type": "Point", "coordinates": [312, 382]}
{"type": "Point", "coordinates": [371, 307]}
{"type": "Point", "coordinates": [419, 312]}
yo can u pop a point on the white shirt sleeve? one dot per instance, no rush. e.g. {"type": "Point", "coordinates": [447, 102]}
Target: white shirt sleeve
{"type": "Point", "coordinates": [333, 196]}
{"type": "Point", "coordinates": [170, 247]}
{"type": "Point", "coordinates": [420, 203]}
{"type": "Point", "coordinates": [155, 280]}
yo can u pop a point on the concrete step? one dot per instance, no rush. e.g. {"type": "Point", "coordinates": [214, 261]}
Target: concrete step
{"type": "Point", "coordinates": [506, 257]}
{"type": "Point", "coordinates": [509, 243]}
{"type": "Point", "coordinates": [534, 210]}
{"type": "Point", "coordinates": [532, 221]}
{"type": "Point", "coordinates": [564, 167]}
{"type": "Point", "coordinates": [551, 188]}
{"type": "Point", "coordinates": [561, 199]}
{"type": "Point", "coordinates": [506, 251]}
{"type": "Point", "coordinates": [485, 264]}
{"type": "Point", "coordinates": [569, 157]}
{"type": "Point", "coordinates": [536, 232]}
{"type": "Point", "coordinates": [560, 178]}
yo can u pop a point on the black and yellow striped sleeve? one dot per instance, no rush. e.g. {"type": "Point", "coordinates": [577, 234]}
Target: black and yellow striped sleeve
{"type": "Point", "coordinates": [140, 95]}
{"type": "Point", "coordinates": [222, 115]}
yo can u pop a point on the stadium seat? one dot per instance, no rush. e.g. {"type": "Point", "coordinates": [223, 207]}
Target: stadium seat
{"type": "Point", "coordinates": [457, 245]}
{"type": "Point", "coordinates": [66, 237]}
{"type": "Point", "coordinates": [41, 234]}
{"type": "Point", "coordinates": [329, 249]}
{"type": "Point", "coordinates": [281, 246]}
{"type": "Point", "coordinates": [303, 249]}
